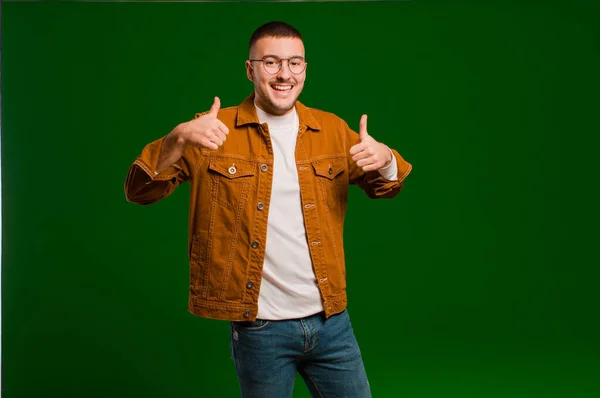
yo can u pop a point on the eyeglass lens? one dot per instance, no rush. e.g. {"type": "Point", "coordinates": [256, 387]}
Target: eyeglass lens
{"type": "Point", "coordinates": [273, 64]}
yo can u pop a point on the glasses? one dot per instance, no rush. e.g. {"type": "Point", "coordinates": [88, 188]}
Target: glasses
{"type": "Point", "coordinates": [272, 64]}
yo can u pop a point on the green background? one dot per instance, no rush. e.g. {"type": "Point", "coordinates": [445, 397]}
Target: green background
{"type": "Point", "coordinates": [479, 280]}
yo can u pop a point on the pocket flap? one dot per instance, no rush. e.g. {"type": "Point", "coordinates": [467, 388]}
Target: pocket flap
{"type": "Point", "coordinates": [231, 168]}
{"type": "Point", "coordinates": [329, 168]}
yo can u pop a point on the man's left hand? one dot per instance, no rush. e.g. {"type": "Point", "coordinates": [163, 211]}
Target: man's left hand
{"type": "Point", "coordinates": [368, 153]}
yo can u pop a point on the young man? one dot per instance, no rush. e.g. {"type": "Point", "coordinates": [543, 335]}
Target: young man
{"type": "Point", "coordinates": [269, 183]}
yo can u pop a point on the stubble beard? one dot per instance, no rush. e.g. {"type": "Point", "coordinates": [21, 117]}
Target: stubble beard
{"type": "Point", "coordinates": [277, 107]}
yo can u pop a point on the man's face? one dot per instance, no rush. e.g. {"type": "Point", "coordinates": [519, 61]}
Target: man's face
{"type": "Point", "coordinates": [276, 93]}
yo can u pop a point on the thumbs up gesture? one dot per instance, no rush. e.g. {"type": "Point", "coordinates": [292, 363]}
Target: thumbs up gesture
{"type": "Point", "coordinates": [368, 153]}
{"type": "Point", "coordinates": [205, 131]}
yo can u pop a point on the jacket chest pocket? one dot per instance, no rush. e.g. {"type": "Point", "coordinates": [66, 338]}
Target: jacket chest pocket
{"type": "Point", "coordinates": [331, 180]}
{"type": "Point", "coordinates": [231, 180]}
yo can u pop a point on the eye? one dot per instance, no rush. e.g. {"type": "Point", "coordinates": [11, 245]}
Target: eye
{"type": "Point", "coordinates": [270, 61]}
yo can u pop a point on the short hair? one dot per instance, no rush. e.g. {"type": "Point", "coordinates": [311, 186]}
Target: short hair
{"type": "Point", "coordinates": [273, 29]}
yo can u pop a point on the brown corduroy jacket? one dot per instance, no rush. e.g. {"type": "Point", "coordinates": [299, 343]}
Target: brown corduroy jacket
{"type": "Point", "coordinates": [229, 205]}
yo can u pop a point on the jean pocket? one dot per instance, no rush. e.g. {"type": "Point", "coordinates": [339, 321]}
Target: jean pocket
{"type": "Point", "coordinates": [259, 324]}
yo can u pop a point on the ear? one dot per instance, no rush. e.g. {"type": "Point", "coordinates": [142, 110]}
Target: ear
{"type": "Point", "coordinates": [249, 71]}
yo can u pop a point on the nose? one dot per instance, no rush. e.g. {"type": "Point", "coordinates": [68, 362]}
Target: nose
{"type": "Point", "coordinates": [284, 72]}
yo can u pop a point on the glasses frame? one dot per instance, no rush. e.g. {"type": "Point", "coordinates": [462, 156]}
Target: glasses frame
{"type": "Point", "coordinates": [281, 63]}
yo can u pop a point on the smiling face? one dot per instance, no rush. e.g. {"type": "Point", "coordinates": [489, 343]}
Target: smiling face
{"type": "Point", "coordinates": [276, 93]}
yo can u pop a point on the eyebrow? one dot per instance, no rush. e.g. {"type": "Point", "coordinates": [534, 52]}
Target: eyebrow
{"type": "Point", "coordinates": [273, 55]}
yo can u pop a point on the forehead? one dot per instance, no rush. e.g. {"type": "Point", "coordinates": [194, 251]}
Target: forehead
{"type": "Point", "coordinates": [281, 46]}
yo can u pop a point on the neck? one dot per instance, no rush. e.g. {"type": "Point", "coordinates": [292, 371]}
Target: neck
{"type": "Point", "coordinates": [262, 108]}
{"type": "Point", "coordinates": [277, 121]}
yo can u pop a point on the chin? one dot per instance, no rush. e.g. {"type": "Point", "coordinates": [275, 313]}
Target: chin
{"type": "Point", "coordinates": [285, 109]}
{"type": "Point", "coordinates": [283, 106]}
{"type": "Point", "coordinates": [277, 106]}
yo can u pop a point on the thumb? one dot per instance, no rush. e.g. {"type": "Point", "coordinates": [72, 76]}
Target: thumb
{"type": "Point", "coordinates": [214, 109]}
{"type": "Point", "coordinates": [363, 128]}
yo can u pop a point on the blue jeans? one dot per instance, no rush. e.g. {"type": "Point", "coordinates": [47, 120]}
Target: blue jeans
{"type": "Point", "coordinates": [267, 355]}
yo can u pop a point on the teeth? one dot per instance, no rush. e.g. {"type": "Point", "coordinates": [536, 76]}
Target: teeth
{"type": "Point", "coordinates": [282, 88]}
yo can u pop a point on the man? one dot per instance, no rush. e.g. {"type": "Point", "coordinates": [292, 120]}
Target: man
{"type": "Point", "coordinates": [269, 183]}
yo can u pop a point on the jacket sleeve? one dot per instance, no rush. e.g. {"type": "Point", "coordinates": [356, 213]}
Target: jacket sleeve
{"type": "Point", "coordinates": [372, 182]}
{"type": "Point", "coordinates": [144, 186]}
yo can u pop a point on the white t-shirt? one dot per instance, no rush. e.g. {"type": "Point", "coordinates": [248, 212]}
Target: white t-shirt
{"type": "Point", "coordinates": [289, 286]}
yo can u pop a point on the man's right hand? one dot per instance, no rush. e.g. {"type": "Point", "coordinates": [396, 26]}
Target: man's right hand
{"type": "Point", "coordinates": [205, 131]}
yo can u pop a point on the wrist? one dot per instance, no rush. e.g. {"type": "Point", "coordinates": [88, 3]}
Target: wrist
{"type": "Point", "coordinates": [176, 138]}
{"type": "Point", "coordinates": [390, 159]}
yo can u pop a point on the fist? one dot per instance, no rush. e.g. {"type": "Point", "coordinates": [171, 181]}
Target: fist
{"type": "Point", "coordinates": [205, 131]}
{"type": "Point", "coordinates": [368, 153]}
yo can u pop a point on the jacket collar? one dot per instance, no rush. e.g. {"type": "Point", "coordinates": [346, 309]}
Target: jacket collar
{"type": "Point", "coordinates": [246, 114]}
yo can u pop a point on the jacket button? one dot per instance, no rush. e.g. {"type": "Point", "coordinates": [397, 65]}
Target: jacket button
{"type": "Point", "coordinates": [263, 167]}
{"type": "Point", "coordinates": [260, 206]}
{"type": "Point", "coordinates": [250, 284]}
{"type": "Point", "coordinates": [254, 244]}
{"type": "Point", "coordinates": [247, 314]}
{"type": "Point", "coordinates": [330, 170]}
{"type": "Point", "coordinates": [232, 170]}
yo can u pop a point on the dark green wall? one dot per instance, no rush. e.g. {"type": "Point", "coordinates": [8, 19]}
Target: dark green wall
{"type": "Point", "coordinates": [479, 280]}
